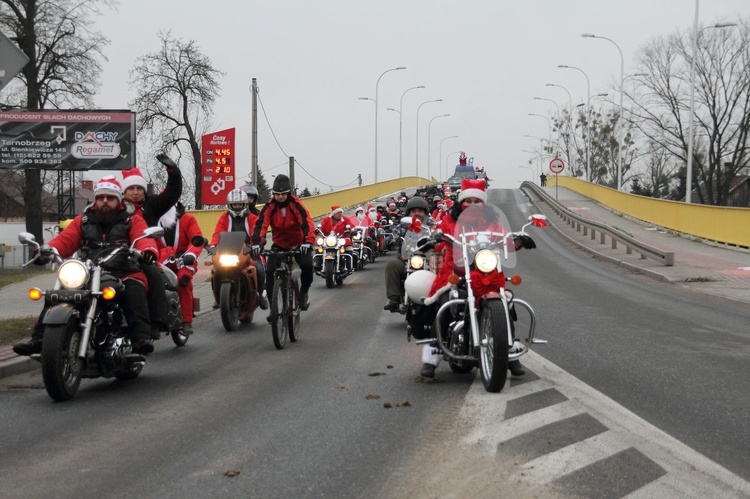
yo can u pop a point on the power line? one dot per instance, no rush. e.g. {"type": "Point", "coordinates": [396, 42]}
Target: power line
{"type": "Point", "coordinates": [356, 179]}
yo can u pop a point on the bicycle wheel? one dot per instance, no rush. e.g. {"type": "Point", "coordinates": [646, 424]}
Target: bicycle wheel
{"type": "Point", "coordinates": [294, 312]}
{"type": "Point", "coordinates": [279, 322]}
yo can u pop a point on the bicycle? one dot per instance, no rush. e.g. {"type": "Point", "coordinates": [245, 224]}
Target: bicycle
{"type": "Point", "coordinates": [285, 306]}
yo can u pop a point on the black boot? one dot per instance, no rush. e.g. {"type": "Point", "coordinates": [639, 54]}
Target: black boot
{"type": "Point", "coordinates": [30, 347]}
{"type": "Point", "coordinates": [516, 369]}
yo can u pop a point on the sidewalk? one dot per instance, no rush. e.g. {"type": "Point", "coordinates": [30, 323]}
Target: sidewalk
{"type": "Point", "coordinates": [16, 303]}
{"type": "Point", "coordinates": [701, 267]}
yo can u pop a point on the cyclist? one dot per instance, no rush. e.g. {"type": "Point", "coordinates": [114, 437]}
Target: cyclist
{"type": "Point", "coordinates": [291, 226]}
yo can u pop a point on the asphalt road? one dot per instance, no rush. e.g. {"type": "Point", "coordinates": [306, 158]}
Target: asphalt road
{"type": "Point", "coordinates": [637, 370]}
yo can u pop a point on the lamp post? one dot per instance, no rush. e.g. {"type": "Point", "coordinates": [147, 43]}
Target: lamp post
{"type": "Point", "coordinates": [541, 149]}
{"type": "Point", "coordinates": [552, 101]}
{"type": "Point", "coordinates": [376, 116]}
{"type": "Point", "coordinates": [622, 128]}
{"type": "Point", "coordinates": [689, 168]}
{"type": "Point", "coordinates": [532, 172]}
{"type": "Point", "coordinates": [400, 128]}
{"type": "Point", "coordinates": [429, 125]}
{"type": "Point", "coordinates": [417, 139]}
{"type": "Point", "coordinates": [441, 154]}
{"type": "Point", "coordinates": [549, 125]}
{"type": "Point", "coordinates": [570, 116]}
{"type": "Point", "coordinates": [588, 112]}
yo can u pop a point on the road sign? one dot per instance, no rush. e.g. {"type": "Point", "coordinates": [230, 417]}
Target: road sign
{"type": "Point", "coordinates": [12, 60]}
{"type": "Point", "coordinates": [556, 165]}
{"type": "Point", "coordinates": [218, 166]}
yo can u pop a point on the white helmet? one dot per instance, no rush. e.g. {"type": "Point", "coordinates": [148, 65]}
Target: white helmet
{"type": "Point", "coordinates": [418, 285]}
{"type": "Point", "coordinates": [237, 203]}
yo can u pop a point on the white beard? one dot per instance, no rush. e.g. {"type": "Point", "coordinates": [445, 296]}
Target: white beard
{"type": "Point", "coordinates": [360, 216]}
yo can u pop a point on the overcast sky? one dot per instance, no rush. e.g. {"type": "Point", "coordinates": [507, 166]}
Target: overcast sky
{"type": "Point", "coordinates": [486, 59]}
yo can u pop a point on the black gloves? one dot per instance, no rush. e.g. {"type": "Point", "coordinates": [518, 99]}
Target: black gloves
{"type": "Point", "coordinates": [167, 162]}
{"type": "Point", "coordinates": [148, 257]}
{"type": "Point", "coordinates": [188, 259]}
{"type": "Point", "coordinates": [524, 241]}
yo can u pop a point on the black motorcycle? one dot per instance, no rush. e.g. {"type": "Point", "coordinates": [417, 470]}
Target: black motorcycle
{"type": "Point", "coordinates": [84, 325]}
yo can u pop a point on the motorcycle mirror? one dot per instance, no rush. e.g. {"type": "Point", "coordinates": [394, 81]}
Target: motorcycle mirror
{"type": "Point", "coordinates": [154, 232]}
{"type": "Point", "coordinates": [26, 238]}
{"type": "Point", "coordinates": [198, 241]}
{"type": "Point", "coordinates": [538, 220]}
{"type": "Point", "coordinates": [406, 222]}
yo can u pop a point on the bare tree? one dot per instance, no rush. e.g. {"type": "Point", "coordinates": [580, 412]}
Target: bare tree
{"type": "Point", "coordinates": [65, 58]}
{"type": "Point", "coordinates": [176, 88]}
{"type": "Point", "coordinates": [722, 104]}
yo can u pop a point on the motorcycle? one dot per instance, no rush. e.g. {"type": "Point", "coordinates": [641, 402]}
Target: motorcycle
{"type": "Point", "coordinates": [234, 280]}
{"type": "Point", "coordinates": [475, 325]}
{"type": "Point", "coordinates": [331, 261]}
{"type": "Point", "coordinates": [84, 326]}
{"type": "Point", "coordinates": [361, 250]}
{"type": "Point", "coordinates": [401, 203]}
{"type": "Point", "coordinates": [171, 264]}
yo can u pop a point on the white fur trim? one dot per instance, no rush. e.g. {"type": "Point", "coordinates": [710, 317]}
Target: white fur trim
{"type": "Point", "coordinates": [428, 355]}
{"type": "Point", "coordinates": [169, 218]}
{"type": "Point", "coordinates": [432, 299]}
{"type": "Point", "coordinates": [472, 193]}
{"type": "Point", "coordinates": [132, 180]}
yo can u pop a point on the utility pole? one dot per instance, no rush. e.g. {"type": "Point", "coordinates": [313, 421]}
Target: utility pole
{"type": "Point", "coordinates": [254, 161]}
{"type": "Point", "coordinates": [291, 174]}
{"type": "Point", "coordinates": [359, 178]}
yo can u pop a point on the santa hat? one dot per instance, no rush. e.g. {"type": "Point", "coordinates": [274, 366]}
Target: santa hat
{"type": "Point", "coordinates": [472, 189]}
{"type": "Point", "coordinates": [370, 208]}
{"type": "Point", "coordinates": [133, 177]}
{"type": "Point", "coordinates": [336, 209]}
{"type": "Point", "coordinates": [358, 209]}
{"type": "Point", "coordinates": [108, 185]}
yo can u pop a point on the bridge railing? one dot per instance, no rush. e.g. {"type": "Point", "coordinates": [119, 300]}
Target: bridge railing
{"type": "Point", "coordinates": [603, 231]}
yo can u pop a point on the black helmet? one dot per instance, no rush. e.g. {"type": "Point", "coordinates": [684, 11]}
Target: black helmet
{"type": "Point", "coordinates": [251, 191]}
{"type": "Point", "coordinates": [281, 184]}
{"type": "Point", "coordinates": [417, 202]}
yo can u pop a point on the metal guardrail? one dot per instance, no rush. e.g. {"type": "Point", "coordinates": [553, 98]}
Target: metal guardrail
{"type": "Point", "coordinates": [604, 231]}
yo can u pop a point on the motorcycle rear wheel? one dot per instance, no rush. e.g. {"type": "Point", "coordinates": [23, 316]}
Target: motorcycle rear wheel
{"type": "Point", "coordinates": [330, 274]}
{"type": "Point", "coordinates": [229, 306]}
{"type": "Point", "coordinates": [294, 312]}
{"type": "Point", "coordinates": [61, 366]}
{"type": "Point", "coordinates": [279, 314]}
{"type": "Point", "coordinates": [493, 335]}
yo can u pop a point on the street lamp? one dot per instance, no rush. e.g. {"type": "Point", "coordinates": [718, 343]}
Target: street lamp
{"type": "Point", "coordinates": [553, 102]}
{"type": "Point", "coordinates": [541, 149]}
{"type": "Point", "coordinates": [400, 127]}
{"type": "Point", "coordinates": [428, 142]}
{"type": "Point", "coordinates": [588, 111]}
{"type": "Point", "coordinates": [441, 154]}
{"type": "Point", "coordinates": [532, 172]}
{"type": "Point", "coordinates": [622, 128]}
{"type": "Point", "coordinates": [376, 116]}
{"type": "Point", "coordinates": [570, 99]}
{"type": "Point", "coordinates": [417, 139]}
{"type": "Point", "coordinates": [689, 169]}
{"type": "Point", "coordinates": [549, 125]}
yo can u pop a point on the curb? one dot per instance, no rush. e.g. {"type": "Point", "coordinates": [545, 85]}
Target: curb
{"type": "Point", "coordinates": [18, 365]}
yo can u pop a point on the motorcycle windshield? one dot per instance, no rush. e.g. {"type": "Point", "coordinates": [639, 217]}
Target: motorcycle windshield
{"type": "Point", "coordinates": [483, 218]}
{"type": "Point", "coordinates": [230, 243]}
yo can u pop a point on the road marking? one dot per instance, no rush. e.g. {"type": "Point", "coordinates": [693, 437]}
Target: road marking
{"type": "Point", "coordinates": [557, 431]}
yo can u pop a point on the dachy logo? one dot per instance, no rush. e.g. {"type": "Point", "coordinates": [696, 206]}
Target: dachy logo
{"type": "Point", "coordinates": [89, 147]}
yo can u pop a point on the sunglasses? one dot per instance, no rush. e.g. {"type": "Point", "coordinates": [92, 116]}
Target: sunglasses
{"type": "Point", "coordinates": [106, 197]}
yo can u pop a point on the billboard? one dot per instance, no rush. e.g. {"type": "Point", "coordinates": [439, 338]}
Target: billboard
{"type": "Point", "coordinates": [67, 140]}
{"type": "Point", "coordinates": [217, 169]}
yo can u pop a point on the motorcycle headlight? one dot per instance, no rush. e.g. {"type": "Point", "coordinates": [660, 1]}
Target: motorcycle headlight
{"type": "Point", "coordinates": [229, 260]}
{"type": "Point", "coordinates": [331, 241]}
{"type": "Point", "coordinates": [73, 274]}
{"type": "Point", "coordinates": [416, 262]}
{"type": "Point", "coordinates": [319, 241]}
{"type": "Point", "coordinates": [485, 261]}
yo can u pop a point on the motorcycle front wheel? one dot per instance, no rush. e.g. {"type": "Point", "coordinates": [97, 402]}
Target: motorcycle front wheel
{"type": "Point", "coordinates": [229, 307]}
{"type": "Point", "coordinates": [330, 273]}
{"type": "Point", "coordinates": [61, 366]}
{"type": "Point", "coordinates": [279, 314]}
{"type": "Point", "coordinates": [179, 338]}
{"type": "Point", "coordinates": [493, 335]}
